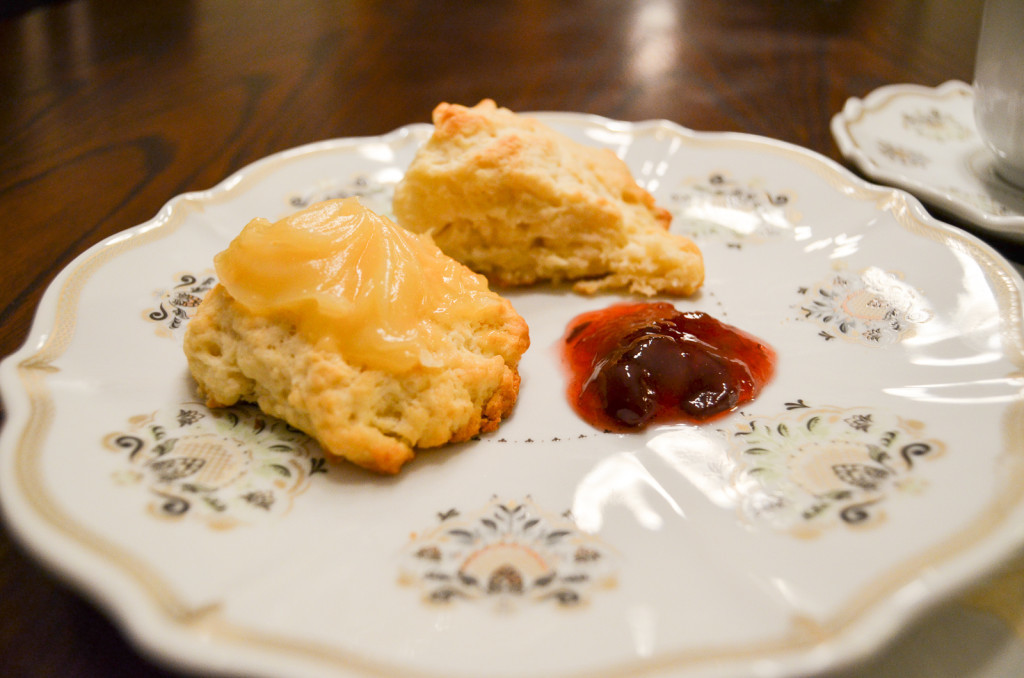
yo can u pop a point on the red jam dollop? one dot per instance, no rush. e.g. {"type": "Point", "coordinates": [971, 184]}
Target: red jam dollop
{"type": "Point", "coordinates": [636, 364]}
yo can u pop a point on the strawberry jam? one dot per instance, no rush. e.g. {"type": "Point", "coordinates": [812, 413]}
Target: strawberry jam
{"type": "Point", "coordinates": [636, 364]}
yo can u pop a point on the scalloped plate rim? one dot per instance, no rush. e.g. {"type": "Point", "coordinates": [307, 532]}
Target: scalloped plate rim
{"type": "Point", "coordinates": [1011, 226]}
{"type": "Point", "coordinates": [165, 639]}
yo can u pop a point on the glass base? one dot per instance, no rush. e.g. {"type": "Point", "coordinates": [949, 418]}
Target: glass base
{"type": "Point", "coordinates": [1010, 174]}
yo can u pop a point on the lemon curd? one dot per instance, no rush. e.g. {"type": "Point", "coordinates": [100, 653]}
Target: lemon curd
{"type": "Point", "coordinates": [383, 296]}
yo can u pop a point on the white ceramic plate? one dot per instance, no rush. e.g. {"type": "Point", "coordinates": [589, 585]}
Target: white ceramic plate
{"type": "Point", "coordinates": [878, 473]}
{"type": "Point", "coordinates": [924, 140]}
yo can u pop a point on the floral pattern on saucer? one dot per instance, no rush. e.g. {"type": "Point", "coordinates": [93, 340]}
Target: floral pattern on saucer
{"type": "Point", "coordinates": [507, 552]}
{"type": "Point", "coordinates": [924, 140]}
{"type": "Point", "coordinates": [176, 304]}
{"type": "Point", "coordinates": [812, 469]}
{"type": "Point", "coordinates": [225, 467]}
{"type": "Point", "coordinates": [902, 154]}
{"type": "Point", "coordinates": [874, 307]}
{"type": "Point", "coordinates": [720, 206]}
{"type": "Point", "coordinates": [933, 123]}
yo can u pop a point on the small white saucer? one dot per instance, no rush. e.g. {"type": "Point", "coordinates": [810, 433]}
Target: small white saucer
{"type": "Point", "coordinates": [924, 140]}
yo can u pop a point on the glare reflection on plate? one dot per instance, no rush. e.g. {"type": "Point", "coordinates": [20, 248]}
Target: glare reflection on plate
{"type": "Point", "coordinates": [880, 471]}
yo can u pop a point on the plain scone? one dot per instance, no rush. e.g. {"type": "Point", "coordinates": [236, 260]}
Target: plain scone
{"type": "Point", "coordinates": [520, 203]}
{"type": "Point", "coordinates": [463, 383]}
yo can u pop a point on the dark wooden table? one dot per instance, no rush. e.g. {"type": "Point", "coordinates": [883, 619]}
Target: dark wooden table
{"type": "Point", "coordinates": [108, 109]}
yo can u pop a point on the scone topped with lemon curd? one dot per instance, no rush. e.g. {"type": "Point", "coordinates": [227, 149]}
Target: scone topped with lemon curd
{"type": "Point", "coordinates": [358, 332]}
{"type": "Point", "coordinates": [515, 200]}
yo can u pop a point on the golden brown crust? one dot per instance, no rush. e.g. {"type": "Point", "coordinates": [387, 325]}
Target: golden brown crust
{"type": "Point", "coordinates": [520, 203]}
{"type": "Point", "coordinates": [371, 417]}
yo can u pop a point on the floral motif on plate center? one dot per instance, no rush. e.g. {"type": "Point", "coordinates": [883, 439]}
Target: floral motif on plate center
{"type": "Point", "coordinates": [507, 552]}
{"type": "Point", "coordinates": [225, 467]}
{"type": "Point", "coordinates": [874, 307]}
{"type": "Point", "coordinates": [176, 304]}
{"type": "Point", "coordinates": [814, 468]}
{"type": "Point", "coordinates": [722, 207]}
{"type": "Point", "coordinates": [375, 191]}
